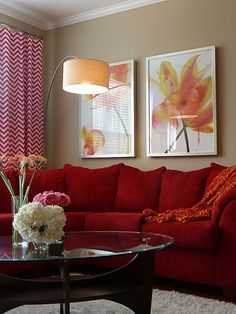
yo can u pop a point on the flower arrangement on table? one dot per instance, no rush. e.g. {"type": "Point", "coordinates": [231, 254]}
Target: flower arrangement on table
{"type": "Point", "coordinates": [43, 220]}
{"type": "Point", "coordinates": [23, 164]}
{"type": "Point", "coordinates": [40, 224]}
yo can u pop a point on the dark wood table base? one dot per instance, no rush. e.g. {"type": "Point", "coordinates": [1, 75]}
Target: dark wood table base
{"type": "Point", "coordinates": [130, 285]}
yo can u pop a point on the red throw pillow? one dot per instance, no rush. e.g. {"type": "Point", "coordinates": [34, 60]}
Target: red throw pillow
{"type": "Point", "coordinates": [91, 189]}
{"type": "Point", "coordinates": [46, 180]}
{"type": "Point", "coordinates": [5, 196]}
{"type": "Point", "coordinates": [181, 189]}
{"type": "Point", "coordinates": [215, 170]}
{"type": "Point", "coordinates": [138, 189]}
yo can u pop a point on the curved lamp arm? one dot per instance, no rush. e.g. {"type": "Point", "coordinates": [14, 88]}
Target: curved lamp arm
{"type": "Point", "coordinates": [81, 76]}
{"type": "Point", "coordinates": [52, 81]}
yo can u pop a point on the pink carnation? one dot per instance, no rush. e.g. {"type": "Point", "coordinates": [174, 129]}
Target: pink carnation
{"type": "Point", "coordinates": [52, 198]}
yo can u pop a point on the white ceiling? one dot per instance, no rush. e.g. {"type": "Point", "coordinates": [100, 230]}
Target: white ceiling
{"type": "Point", "coordinates": [50, 14]}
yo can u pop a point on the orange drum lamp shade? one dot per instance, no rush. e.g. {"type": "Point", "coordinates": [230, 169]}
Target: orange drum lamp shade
{"type": "Point", "coordinates": [81, 76]}
{"type": "Point", "coordinates": [85, 76]}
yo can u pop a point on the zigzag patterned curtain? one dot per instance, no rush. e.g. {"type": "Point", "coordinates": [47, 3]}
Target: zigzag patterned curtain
{"type": "Point", "coordinates": [21, 98]}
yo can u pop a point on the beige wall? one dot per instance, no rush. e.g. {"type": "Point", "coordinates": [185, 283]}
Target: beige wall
{"type": "Point", "coordinates": [169, 26]}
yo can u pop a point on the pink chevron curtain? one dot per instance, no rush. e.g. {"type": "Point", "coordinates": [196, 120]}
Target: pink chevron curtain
{"type": "Point", "coordinates": [21, 99]}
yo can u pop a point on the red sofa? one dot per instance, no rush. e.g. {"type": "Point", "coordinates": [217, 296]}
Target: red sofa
{"type": "Point", "coordinates": [114, 197]}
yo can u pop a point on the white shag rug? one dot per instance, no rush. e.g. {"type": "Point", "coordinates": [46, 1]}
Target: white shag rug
{"type": "Point", "coordinates": [163, 302]}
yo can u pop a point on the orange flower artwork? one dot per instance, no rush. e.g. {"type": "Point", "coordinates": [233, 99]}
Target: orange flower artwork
{"type": "Point", "coordinates": [182, 103]}
{"type": "Point", "coordinates": [109, 117]}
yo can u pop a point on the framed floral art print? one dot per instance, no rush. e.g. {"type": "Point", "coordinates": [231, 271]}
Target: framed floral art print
{"type": "Point", "coordinates": [107, 120]}
{"type": "Point", "coordinates": [181, 103]}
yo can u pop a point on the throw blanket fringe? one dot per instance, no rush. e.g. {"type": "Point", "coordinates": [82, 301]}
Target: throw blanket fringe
{"type": "Point", "coordinates": [203, 210]}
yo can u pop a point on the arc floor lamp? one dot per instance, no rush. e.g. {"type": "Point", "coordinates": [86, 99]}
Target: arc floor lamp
{"type": "Point", "coordinates": [81, 76]}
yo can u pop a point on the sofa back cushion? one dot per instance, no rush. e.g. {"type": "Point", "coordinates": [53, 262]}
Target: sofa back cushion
{"type": "Point", "coordinates": [215, 170]}
{"type": "Point", "coordinates": [181, 189]}
{"type": "Point", "coordinates": [91, 189]}
{"type": "Point", "coordinates": [138, 189]}
{"type": "Point", "coordinates": [46, 180]}
{"type": "Point", "coordinates": [5, 196]}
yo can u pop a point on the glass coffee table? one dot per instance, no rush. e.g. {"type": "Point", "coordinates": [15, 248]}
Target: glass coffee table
{"type": "Point", "coordinates": [129, 284]}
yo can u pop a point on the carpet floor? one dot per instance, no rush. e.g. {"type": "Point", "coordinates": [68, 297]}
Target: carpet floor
{"type": "Point", "coordinates": [163, 302]}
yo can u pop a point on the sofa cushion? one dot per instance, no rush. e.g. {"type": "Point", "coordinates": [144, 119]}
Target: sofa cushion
{"type": "Point", "coordinates": [91, 189]}
{"type": "Point", "coordinates": [46, 180]}
{"type": "Point", "coordinates": [194, 235]}
{"type": "Point", "coordinates": [5, 196]}
{"type": "Point", "coordinates": [181, 189]}
{"type": "Point", "coordinates": [114, 221]}
{"type": "Point", "coordinates": [138, 189]}
{"type": "Point", "coordinates": [75, 221]}
{"type": "Point", "coordinates": [214, 171]}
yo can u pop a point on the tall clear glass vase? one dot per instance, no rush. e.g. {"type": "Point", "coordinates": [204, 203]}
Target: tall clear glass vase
{"type": "Point", "coordinates": [17, 240]}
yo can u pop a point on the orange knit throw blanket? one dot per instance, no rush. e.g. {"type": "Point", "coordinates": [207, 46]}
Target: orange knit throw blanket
{"type": "Point", "coordinates": [220, 185]}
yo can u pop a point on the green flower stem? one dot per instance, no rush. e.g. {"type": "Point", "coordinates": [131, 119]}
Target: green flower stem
{"type": "Point", "coordinates": [23, 182]}
{"type": "Point", "coordinates": [16, 202]}
{"type": "Point", "coordinates": [29, 186]}
{"type": "Point", "coordinates": [15, 233]}
{"type": "Point", "coordinates": [7, 183]}
{"type": "Point", "coordinates": [15, 236]}
{"type": "Point", "coordinates": [21, 187]}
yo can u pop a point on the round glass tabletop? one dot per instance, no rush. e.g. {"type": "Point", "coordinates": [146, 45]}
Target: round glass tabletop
{"type": "Point", "coordinates": [86, 244]}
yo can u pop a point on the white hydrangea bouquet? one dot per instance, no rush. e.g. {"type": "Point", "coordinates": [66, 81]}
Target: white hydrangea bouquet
{"type": "Point", "coordinates": [40, 224]}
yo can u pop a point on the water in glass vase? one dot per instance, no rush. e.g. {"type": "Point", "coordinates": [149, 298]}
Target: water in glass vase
{"type": "Point", "coordinates": [17, 240]}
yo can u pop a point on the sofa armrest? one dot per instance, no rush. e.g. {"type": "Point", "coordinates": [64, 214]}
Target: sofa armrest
{"type": "Point", "coordinates": [229, 197]}
{"type": "Point", "coordinates": [226, 266]}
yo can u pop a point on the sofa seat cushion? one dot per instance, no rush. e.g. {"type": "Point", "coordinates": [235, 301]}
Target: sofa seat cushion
{"type": "Point", "coordinates": [46, 180]}
{"type": "Point", "coordinates": [192, 235]}
{"type": "Point", "coordinates": [138, 189]}
{"type": "Point", "coordinates": [91, 189]}
{"type": "Point", "coordinates": [181, 189]}
{"type": "Point", "coordinates": [117, 221]}
{"type": "Point", "coordinates": [5, 196]}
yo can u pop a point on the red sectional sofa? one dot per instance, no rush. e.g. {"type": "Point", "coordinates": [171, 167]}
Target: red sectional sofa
{"type": "Point", "coordinates": [114, 197]}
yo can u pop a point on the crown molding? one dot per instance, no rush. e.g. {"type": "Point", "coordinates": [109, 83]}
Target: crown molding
{"type": "Point", "coordinates": [22, 17]}
{"type": "Point", "coordinates": [93, 14]}
{"type": "Point", "coordinates": [40, 22]}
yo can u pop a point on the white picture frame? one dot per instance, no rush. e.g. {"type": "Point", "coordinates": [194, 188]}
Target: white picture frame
{"type": "Point", "coordinates": [181, 103]}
